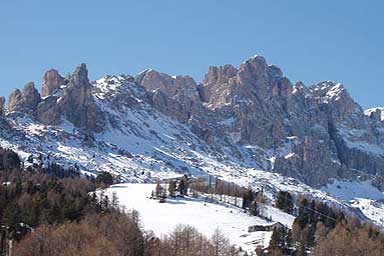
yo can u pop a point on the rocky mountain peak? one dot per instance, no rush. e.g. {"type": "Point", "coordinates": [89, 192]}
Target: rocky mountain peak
{"type": "Point", "coordinates": [336, 101]}
{"type": "Point", "coordinates": [376, 114]}
{"type": "Point", "coordinates": [257, 72]}
{"type": "Point", "coordinates": [251, 112]}
{"type": "Point", "coordinates": [77, 103]}
{"type": "Point", "coordinates": [73, 101]}
{"type": "Point", "coordinates": [153, 80]}
{"type": "Point", "coordinates": [219, 74]}
{"type": "Point", "coordinates": [25, 100]}
{"type": "Point", "coordinates": [329, 90]}
{"type": "Point", "coordinates": [2, 106]}
{"type": "Point", "coordinates": [300, 89]}
{"type": "Point", "coordinates": [14, 100]}
{"type": "Point", "coordinates": [51, 82]}
{"type": "Point", "coordinates": [80, 76]}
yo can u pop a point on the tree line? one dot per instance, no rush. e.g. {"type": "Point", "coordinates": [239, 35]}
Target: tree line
{"type": "Point", "coordinates": [322, 230]}
{"type": "Point", "coordinates": [52, 211]}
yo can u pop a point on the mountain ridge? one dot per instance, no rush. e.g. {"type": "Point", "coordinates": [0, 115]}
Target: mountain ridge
{"type": "Point", "coordinates": [245, 124]}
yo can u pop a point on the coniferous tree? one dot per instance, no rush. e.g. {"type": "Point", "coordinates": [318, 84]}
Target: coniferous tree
{"type": "Point", "coordinates": [172, 188]}
{"type": "Point", "coordinates": [105, 177]}
{"type": "Point", "coordinates": [183, 186]}
{"type": "Point", "coordinates": [284, 201]}
{"type": "Point", "coordinates": [254, 208]}
{"type": "Point", "coordinates": [158, 190]}
{"type": "Point", "coordinates": [248, 198]}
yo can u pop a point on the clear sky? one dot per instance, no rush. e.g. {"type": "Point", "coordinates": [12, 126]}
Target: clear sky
{"type": "Point", "coordinates": [311, 41]}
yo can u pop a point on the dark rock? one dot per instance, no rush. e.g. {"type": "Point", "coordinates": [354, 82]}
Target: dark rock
{"type": "Point", "coordinates": [2, 106]}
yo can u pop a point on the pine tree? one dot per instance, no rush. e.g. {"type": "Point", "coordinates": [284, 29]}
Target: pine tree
{"type": "Point", "coordinates": [254, 208]}
{"type": "Point", "coordinates": [284, 201]}
{"type": "Point", "coordinates": [171, 188]}
{"type": "Point", "coordinates": [248, 198]}
{"type": "Point", "coordinates": [183, 186]}
{"type": "Point", "coordinates": [277, 238]}
{"type": "Point", "coordinates": [158, 190]}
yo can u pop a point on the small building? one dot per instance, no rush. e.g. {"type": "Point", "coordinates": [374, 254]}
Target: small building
{"type": "Point", "coordinates": [271, 227]}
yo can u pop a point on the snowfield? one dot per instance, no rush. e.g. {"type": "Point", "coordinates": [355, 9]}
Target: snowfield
{"type": "Point", "coordinates": [162, 218]}
{"type": "Point", "coordinates": [361, 195]}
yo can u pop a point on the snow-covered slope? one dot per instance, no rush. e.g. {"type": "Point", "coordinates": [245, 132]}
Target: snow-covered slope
{"type": "Point", "coordinates": [361, 195]}
{"type": "Point", "coordinates": [378, 110]}
{"type": "Point", "coordinates": [140, 143]}
{"type": "Point", "coordinates": [206, 216]}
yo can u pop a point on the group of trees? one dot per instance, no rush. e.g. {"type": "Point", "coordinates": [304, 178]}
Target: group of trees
{"type": "Point", "coordinates": [255, 203]}
{"type": "Point", "coordinates": [323, 230]}
{"type": "Point", "coordinates": [68, 218]}
{"type": "Point", "coordinates": [284, 201]}
{"type": "Point", "coordinates": [350, 237]}
{"type": "Point", "coordinates": [104, 234]}
{"type": "Point", "coordinates": [220, 187]}
{"type": "Point", "coordinates": [112, 234]}
{"type": "Point", "coordinates": [28, 200]}
{"type": "Point", "coordinates": [175, 188]}
{"type": "Point", "coordinates": [280, 244]}
{"type": "Point", "coordinates": [187, 241]}
{"type": "Point", "coordinates": [9, 160]}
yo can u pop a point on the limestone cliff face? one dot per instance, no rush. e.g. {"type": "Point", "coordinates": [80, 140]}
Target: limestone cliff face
{"type": "Point", "coordinates": [48, 111]}
{"type": "Point", "coordinates": [25, 100]}
{"type": "Point", "coordinates": [51, 82]}
{"type": "Point", "coordinates": [253, 114]}
{"type": "Point", "coordinates": [70, 98]}
{"type": "Point", "coordinates": [176, 96]}
{"type": "Point", "coordinates": [217, 76]}
{"type": "Point", "coordinates": [77, 103]}
{"type": "Point", "coordinates": [255, 104]}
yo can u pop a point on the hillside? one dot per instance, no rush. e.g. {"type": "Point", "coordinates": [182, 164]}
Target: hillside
{"type": "Point", "coordinates": [248, 124]}
{"type": "Point", "coordinates": [163, 218]}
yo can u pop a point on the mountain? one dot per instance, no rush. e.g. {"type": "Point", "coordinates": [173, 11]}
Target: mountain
{"type": "Point", "coordinates": [248, 124]}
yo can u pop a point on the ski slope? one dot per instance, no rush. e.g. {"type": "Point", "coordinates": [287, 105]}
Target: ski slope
{"type": "Point", "coordinates": [162, 218]}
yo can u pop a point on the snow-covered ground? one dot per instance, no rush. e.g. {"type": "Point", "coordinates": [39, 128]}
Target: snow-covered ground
{"type": "Point", "coordinates": [348, 190]}
{"type": "Point", "coordinates": [374, 210]}
{"type": "Point", "coordinates": [361, 195]}
{"type": "Point", "coordinates": [162, 218]}
{"type": "Point", "coordinates": [142, 145]}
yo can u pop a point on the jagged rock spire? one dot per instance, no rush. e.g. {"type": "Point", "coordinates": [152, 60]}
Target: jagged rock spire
{"type": "Point", "coordinates": [51, 82]}
{"type": "Point", "coordinates": [80, 76]}
{"type": "Point", "coordinates": [25, 100]}
{"type": "Point", "coordinates": [2, 106]}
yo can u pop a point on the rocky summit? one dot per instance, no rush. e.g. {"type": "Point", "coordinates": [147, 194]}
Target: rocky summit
{"type": "Point", "coordinates": [237, 123]}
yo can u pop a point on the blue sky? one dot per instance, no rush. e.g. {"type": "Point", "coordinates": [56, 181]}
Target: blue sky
{"type": "Point", "coordinates": [310, 40]}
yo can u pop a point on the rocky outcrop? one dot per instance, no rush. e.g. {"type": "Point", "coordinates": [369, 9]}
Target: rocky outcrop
{"type": "Point", "coordinates": [252, 114]}
{"type": "Point", "coordinates": [176, 96]}
{"type": "Point", "coordinates": [375, 114]}
{"type": "Point", "coordinates": [255, 94]}
{"type": "Point", "coordinates": [217, 76]}
{"type": "Point", "coordinates": [2, 106]}
{"type": "Point", "coordinates": [51, 82]}
{"type": "Point", "coordinates": [70, 98]}
{"type": "Point", "coordinates": [76, 102]}
{"type": "Point", "coordinates": [256, 105]}
{"type": "Point", "coordinates": [48, 111]}
{"type": "Point", "coordinates": [25, 100]}
{"type": "Point", "coordinates": [309, 161]}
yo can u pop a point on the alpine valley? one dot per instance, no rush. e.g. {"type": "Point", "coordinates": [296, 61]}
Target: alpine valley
{"type": "Point", "coordinates": [248, 124]}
